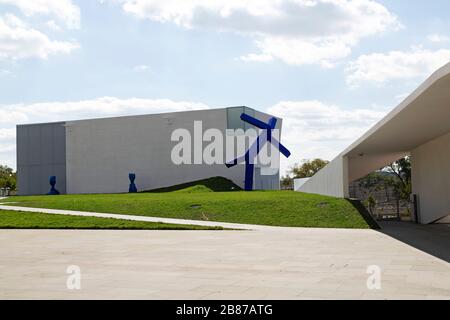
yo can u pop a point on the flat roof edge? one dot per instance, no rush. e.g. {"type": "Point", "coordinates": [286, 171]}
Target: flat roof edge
{"type": "Point", "coordinates": [39, 123]}
{"type": "Point", "coordinates": [136, 115]}
{"type": "Point", "coordinates": [431, 80]}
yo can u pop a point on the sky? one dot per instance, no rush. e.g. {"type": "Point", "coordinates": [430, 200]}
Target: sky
{"type": "Point", "coordinates": [330, 68]}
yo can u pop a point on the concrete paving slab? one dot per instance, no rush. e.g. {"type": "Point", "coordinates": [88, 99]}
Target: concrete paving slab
{"type": "Point", "coordinates": [261, 264]}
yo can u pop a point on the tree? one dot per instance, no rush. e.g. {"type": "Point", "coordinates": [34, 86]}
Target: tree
{"type": "Point", "coordinates": [372, 183]}
{"type": "Point", "coordinates": [308, 168]}
{"type": "Point", "coordinates": [287, 183]}
{"type": "Point", "coordinates": [402, 170]}
{"type": "Point", "coordinates": [371, 203]}
{"type": "Point", "coordinates": [7, 178]}
{"type": "Point", "coordinates": [398, 179]}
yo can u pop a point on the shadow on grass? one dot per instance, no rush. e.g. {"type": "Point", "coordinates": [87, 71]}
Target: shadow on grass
{"type": "Point", "coordinates": [215, 184]}
{"type": "Point", "coordinates": [373, 224]}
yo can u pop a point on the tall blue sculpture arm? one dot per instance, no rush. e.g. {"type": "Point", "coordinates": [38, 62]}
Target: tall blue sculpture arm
{"type": "Point", "coordinates": [253, 151]}
{"type": "Point", "coordinates": [257, 123]}
{"type": "Point", "coordinates": [235, 162]}
{"type": "Point", "coordinates": [273, 123]}
{"type": "Point", "coordinates": [261, 125]}
{"type": "Point", "coordinates": [283, 150]}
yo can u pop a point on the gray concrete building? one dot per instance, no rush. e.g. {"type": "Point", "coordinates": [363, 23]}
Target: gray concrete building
{"type": "Point", "coordinates": [96, 156]}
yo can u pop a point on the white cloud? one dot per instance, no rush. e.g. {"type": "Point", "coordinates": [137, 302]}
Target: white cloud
{"type": "Point", "coordinates": [53, 25]}
{"type": "Point", "coordinates": [7, 138]}
{"type": "Point", "coordinates": [256, 57]}
{"type": "Point", "coordinates": [18, 41]}
{"type": "Point", "coordinates": [396, 65]}
{"type": "Point", "coordinates": [7, 146]}
{"type": "Point", "coordinates": [101, 107]}
{"type": "Point", "coordinates": [297, 32]}
{"type": "Point", "coordinates": [313, 129]}
{"type": "Point", "coordinates": [7, 134]}
{"type": "Point", "coordinates": [300, 52]}
{"type": "Point", "coordinates": [64, 10]}
{"type": "Point", "coordinates": [438, 38]}
{"type": "Point", "coordinates": [141, 68]}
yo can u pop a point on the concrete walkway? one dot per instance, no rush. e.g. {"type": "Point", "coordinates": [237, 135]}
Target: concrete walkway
{"type": "Point", "coordinates": [143, 218]}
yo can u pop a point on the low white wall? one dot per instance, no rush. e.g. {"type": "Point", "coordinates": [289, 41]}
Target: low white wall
{"type": "Point", "coordinates": [298, 183]}
{"type": "Point", "coordinates": [330, 181]}
{"type": "Point", "coordinates": [431, 178]}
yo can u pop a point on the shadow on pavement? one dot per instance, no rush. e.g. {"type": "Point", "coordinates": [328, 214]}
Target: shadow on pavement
{"type": "Point", "coordinates": [432, 239]}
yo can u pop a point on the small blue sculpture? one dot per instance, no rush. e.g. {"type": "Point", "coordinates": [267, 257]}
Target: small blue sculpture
{"type": "Point", "coordinates": [53, 191]}
{"type": "Point", "coordinates": [133, 188]}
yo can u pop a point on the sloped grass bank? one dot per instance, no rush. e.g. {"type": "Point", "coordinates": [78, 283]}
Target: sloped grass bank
{"type": "Point", "coordinates": [274, 208]}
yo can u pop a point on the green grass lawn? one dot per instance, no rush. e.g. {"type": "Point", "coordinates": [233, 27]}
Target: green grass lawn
{"type": "Point", "coordinates": [274, 208]}
{"type": "Point", "coordinates": [29, 220]}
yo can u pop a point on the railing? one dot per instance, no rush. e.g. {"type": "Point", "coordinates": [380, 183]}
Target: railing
{"type": "Point", "coordinates": [4, 192]}
{"type": "Point", "coordinates": [384, 195]}
{"type": "Point", "coordinates": [388, 205]}
{"type": "Point", "coordinates": [400, 210]}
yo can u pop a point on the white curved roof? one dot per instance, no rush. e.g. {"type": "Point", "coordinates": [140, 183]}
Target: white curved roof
{"type": "Point", "coordinates": [421, 117]}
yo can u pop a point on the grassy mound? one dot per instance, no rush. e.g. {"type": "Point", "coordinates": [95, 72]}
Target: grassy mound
{"type": "Point", "coordinates": [215, 184]}
{"type": "Point", "coordinates": [195, 189]}
{"type": "Point", "coordinates": [274, 208]}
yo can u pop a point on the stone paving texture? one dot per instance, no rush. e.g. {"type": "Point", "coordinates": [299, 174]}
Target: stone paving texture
{"type": "Point", "coordinates": [272, 263]}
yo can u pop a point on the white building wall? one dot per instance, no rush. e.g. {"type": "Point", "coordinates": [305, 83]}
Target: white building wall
{"type": "Point", "coordinates": [431, 178]}
{"type": "Point", "coordinates": [298, 183]}
{"type": "Point", "coordinates": [101, 153]}
{"type": "Point", "coordinates": [330, 181]}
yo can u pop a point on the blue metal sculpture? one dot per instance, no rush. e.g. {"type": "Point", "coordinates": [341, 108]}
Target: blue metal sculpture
{"type": "Point", "coordinates": [53, 191]}
{"type": "Point", "coordinates": [253, 151]}
{"type": "Point", "coordinates": [132, 188]}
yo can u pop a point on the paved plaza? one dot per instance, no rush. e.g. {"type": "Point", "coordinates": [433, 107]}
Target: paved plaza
{"type": "Point", "coordinates": [272, 263]}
